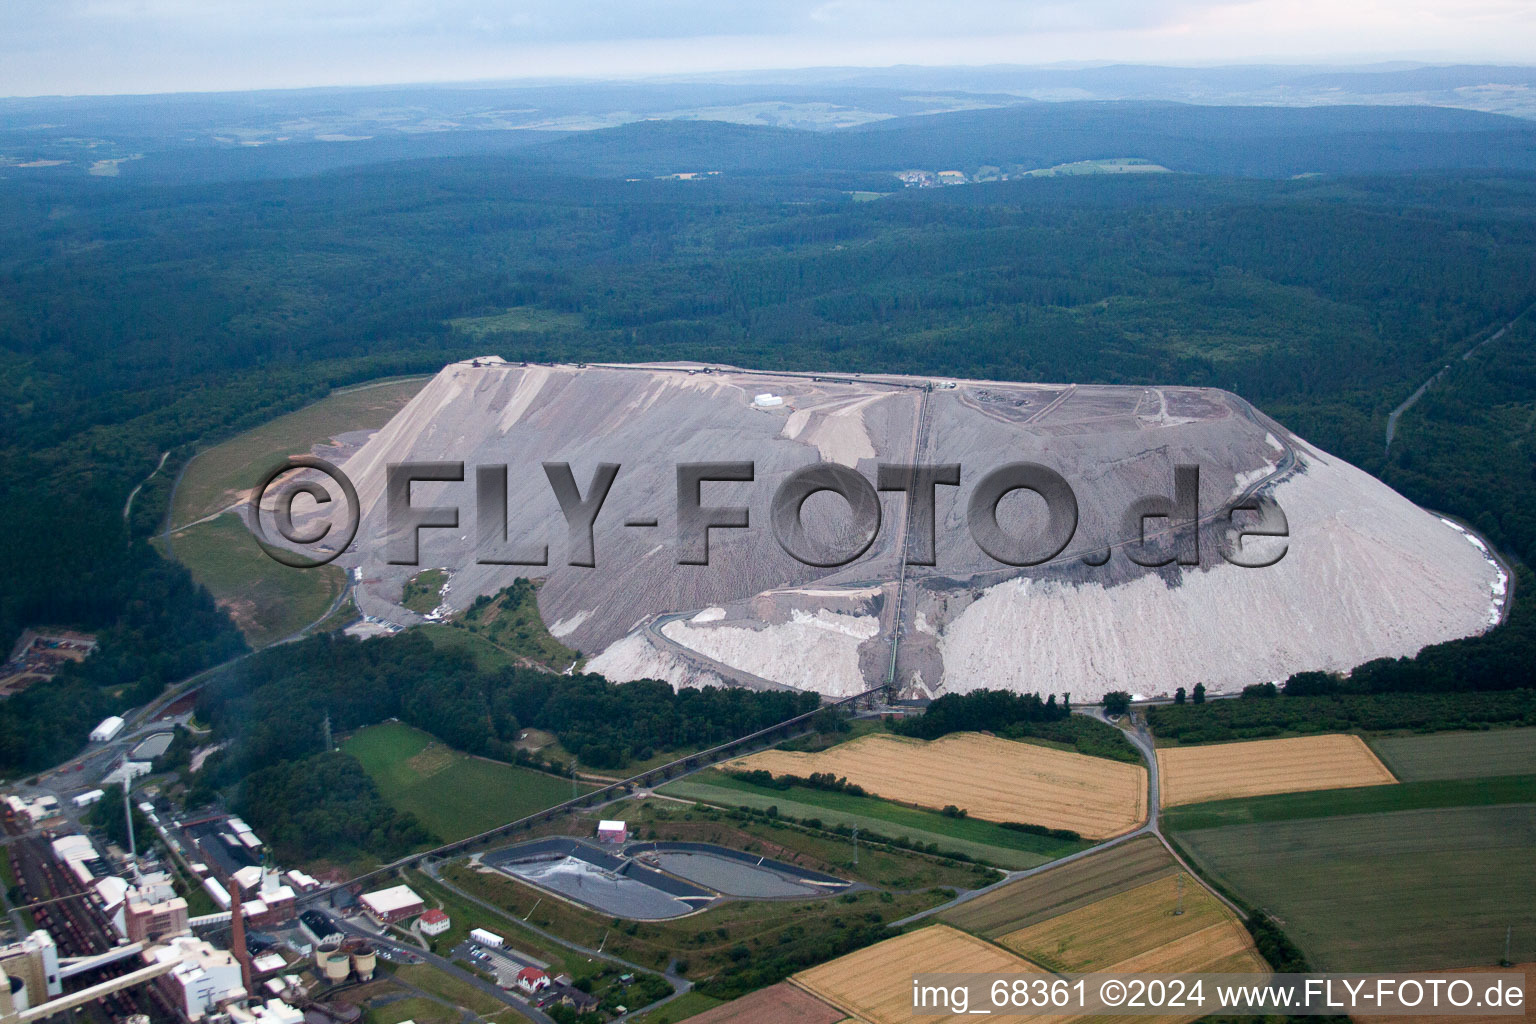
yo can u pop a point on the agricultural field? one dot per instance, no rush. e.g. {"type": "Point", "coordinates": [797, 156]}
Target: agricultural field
{"type": "Point", "coordinates": [1528, 969]}
{"type": "Point", "coordinates": [1063, 889]}
{"type": "Point", "coordinates": [1222, 771]}
{"type": "Point", "coordinates": [268, 601]}
{"type": "Point", "coordinates": [979, 839]}
{"type": "Point", "coordinates": [220, 476]}
{"type": "Point", "coordinates": [1169, 926]}
{"type": "Point", "coordinates": [772, 1005]}
{"type": "Point", "coordinates": [874, 984]}
{"type": "Point", "coordinates": [454, 794]}
{"type": "Point", "coordinates": [1407, 890]}
{"type": "Point", "coordinates": [1459, 755]}
{"type": "Point", "coordinates": [990, 778]}
{"type": "Point", "coordinates": [1327, 803]}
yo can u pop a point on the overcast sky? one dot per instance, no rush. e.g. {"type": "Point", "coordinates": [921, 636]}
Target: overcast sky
{"type": "Point", "coordinates": [115, 46]}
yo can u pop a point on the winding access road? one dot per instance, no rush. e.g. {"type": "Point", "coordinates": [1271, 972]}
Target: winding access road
{"type": "Point", "coordinates": [1412, 400]}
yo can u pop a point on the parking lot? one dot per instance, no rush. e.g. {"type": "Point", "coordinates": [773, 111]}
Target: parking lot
{"type": "Point", "coordinates": [503, 963]}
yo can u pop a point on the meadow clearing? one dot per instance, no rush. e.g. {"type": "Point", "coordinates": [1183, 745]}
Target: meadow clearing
{"type": "Point", "coordinates": [267, 600]}
{"type": "Point", "coordinates": [988, 777]}
{"type": "Point", "coordinates": [454, 794]}
{"type": "Point", "coordinates": [221, 475]}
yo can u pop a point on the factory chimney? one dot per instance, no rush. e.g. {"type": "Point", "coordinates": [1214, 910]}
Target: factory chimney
{"type": "Point", "coordinates": [237, 937]}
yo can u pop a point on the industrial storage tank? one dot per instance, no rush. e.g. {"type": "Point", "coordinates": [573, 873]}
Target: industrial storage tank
{"type": "Point", "coordinates": [333, 963]}
{"type": "Point", "coordinates": [336, 966]}
{"type": "Point", "coordinates": [363, 962]}
{"type": "Point", "coordinates": [324, 949]}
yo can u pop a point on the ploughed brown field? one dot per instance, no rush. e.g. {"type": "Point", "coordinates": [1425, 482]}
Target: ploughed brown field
{"type": "Point", "coordinates": [1529, 970]}
{"type": "Point", "coordinates": [987, 777]}
{"type": "Point", "coordinates": [1222, 771]}
{"type": "Point", "coordinates": [772, 1005]}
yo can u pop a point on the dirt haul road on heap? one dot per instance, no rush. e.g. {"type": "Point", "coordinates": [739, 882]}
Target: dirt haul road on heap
{"type": "Point", "coordinates": [1366, 574]}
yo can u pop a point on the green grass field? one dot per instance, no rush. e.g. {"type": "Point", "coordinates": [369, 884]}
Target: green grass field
{"type": "Point", "coordinates": [689, 1004]}
{"type": "Point", "coordinates": [982, 840]}
{"type": "Point", "coordinates": [510, 620]}
{"type": "Point", "coordinates": [1408, 890]}
{"type": "Point", "coordinates": [445, 986]}
{"type": "Point", "coordinates": [216, 477]}
{"type": "Point", "coordinates": [1327, 803]}
{"type": "Point", "coordinates": [449, 638]}
{"type": "Point", "coordinates": [454, 794]}
{"type": "Point", "coordinates": [416, 1008]}
{"type": "Point", "coordinates": [1458, 755]}
{"type": "Point", "coordinates": [267, 600]}
{"type": "Point", "coordinates": [424, 590]}
{"type": "Point", "coordinates": [515, 320]}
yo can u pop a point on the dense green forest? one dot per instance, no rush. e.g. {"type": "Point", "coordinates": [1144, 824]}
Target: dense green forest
{"type": "Point", "coordinates": [1380, 712]}
{"type": "Point", "coordinates": [1018, 716]}
{"type": "Point", "coordinates": [137, 320]}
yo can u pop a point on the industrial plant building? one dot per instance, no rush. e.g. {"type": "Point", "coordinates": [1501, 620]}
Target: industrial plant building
{"type": "Point", "coordinates": [397, 903]}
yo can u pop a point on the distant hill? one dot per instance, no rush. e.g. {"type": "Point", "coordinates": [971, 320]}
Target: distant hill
{"type": "Point", "coordinates": [1266, 121]}
{"type": "Point", "coordinates": [1243, 141]}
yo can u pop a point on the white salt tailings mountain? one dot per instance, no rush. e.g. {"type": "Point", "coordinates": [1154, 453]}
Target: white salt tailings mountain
{"type": "Point", "coordinates": [1366, 575]}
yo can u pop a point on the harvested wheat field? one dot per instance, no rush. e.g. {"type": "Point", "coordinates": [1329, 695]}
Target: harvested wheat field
{"type": "Point", "coordinates": [1222, 771]}
{"type": "Point", "coordinates": [772, 1005]}
{"type": "Point", "coordinates": [988, 777]}
{"type": "Point", "coordinates": [1139, 931]}
{"type": "Point", "coordinates": [874, 984]}
{"type": "Point", "coordinates": [1064, 888]}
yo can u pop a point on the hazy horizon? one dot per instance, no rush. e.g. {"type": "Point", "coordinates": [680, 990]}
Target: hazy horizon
{"type": "Point", "coordinates": [121, 47]}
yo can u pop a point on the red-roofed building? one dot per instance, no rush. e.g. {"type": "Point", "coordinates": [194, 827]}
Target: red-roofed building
{"type": "Point", "coordinates": [434, 922]}
{"type": "Point", "coordinates": [531, 980]}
